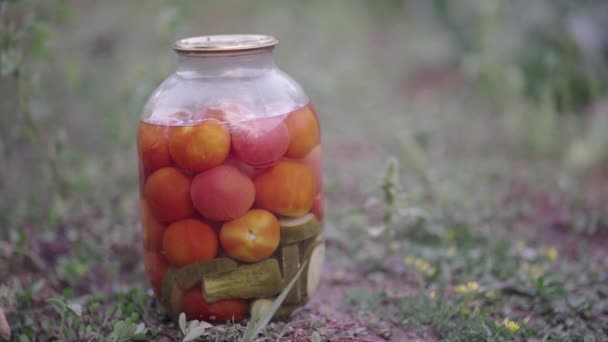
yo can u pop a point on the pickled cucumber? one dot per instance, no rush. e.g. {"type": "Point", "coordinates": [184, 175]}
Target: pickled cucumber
{"type": "Point", "coordinates": [290, 264]}
{"type": "Point", "coordinates": [171, 292]}
{"type": "Point", "coordinates": [312, 250]}
{"type": "Point", "coordinates": [191, 275]}
{"type": "Point", "coordinates": [296, 229]}
{"type": "Point", "coordinates": [259, 280]}
{"type": "Point", "coordinates": [177, 281]}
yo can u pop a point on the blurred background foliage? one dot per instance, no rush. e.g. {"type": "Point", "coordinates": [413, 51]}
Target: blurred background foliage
{"type": "Point", "coordinates": [439, 83]}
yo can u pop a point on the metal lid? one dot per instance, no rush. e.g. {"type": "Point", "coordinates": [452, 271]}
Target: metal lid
{"type": "Point", "coordinates": [223, 43]}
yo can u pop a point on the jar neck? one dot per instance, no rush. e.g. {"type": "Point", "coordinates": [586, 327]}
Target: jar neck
{"type": "Point", "coordinates": [233, 64]}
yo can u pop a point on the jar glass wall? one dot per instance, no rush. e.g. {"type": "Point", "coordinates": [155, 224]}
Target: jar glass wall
{"type": "Point", "coordinates": [230, 170]}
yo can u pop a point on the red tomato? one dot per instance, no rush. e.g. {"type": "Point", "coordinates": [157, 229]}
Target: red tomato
{"type": "Point", "coordinates": [167, 192]}
{"type": "Point", "coordinates": [195, 307]}
{"type": "Point", "coordinates": [260, 142]}
{"type": "Point", "coordinates": [189, 241]}
{"type": "Point", "coordinates": [155, 265]}
{"type": "Point", "coordinates": [222, 193]}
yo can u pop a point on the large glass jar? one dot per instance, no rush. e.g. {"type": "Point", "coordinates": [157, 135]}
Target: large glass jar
{"type": "Point", "coordinates": [230, 167]}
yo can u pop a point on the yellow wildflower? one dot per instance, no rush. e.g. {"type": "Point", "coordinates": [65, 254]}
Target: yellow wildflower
{"type": "Point", "coordinates": [520, 246]}
{"type": "Point", "coordinates": [465, 311]}
{"type": "Point", "coordinates": [408, 260]}
{"type": "Point", "coordinates": [420, 264]}
{"type": "Point", "coordinates": [451, 251]}
{"type": "Point", "coordinates": [552, 253]}
{"type": "Point", "coordinates": [491, 294]}
{"type": "Point", "coordinates": [470, 287]}
{"type": "Point", "coordinates": [510, 325]}
{"type": "Point", "coordinates": [432, 295]}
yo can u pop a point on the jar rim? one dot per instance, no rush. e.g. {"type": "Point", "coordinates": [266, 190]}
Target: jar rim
{"type": "Point", "coordinates": [223, 43]}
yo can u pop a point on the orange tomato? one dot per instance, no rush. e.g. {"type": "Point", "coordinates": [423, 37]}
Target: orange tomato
{"type": "Point", "coordinates": [259, 142]}
{"type": "Point", "coordinates": [153, 230]}
{"type": "Point", "coordinates": [287, 188]}
{"type": "Point", "coordinates": [313, 162]}
{"type": "Point", "coordinates": [222, 193]}
{"type": "Point", "coordinates": [200, 147]}
{"type": "Point", "coordinates": [152, 147]}
{"type": "Point", "coordinates": [195, 307]}
{"type": "Point", "coordinates": [155, 265]}
{"type": "Point", "coordinates": [303, 130]}
{"type": "Point", "coordinates": [189, 241]}
{"type": "Point", "coordinates": [167, 192]}
{"type": "Point", "coordinates": [252, 237]}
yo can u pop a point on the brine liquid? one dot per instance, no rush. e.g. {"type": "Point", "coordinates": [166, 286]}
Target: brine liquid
{"type": "Point", "coordinates": [232, 207]}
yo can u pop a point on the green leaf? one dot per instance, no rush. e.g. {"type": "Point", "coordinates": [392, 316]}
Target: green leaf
{"type": "Point", "coordinates": [39, 34]}
{"type": "Point", "coordinates": [58, 305]}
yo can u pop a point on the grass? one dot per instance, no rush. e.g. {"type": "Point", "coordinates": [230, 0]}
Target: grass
{"type": "Point", "coordinates": [488, 222]}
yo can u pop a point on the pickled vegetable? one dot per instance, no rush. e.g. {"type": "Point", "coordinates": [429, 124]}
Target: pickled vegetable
{"type": "Point", "coordinates": [287, 188]}
{"type": "Point", "coordinates": [200, 147]}
{"type": "Point", "coordinates": [167, 192]}
{"type": "Point", "coordinates": [259, 280]}
{"type": "Point", "coordinates": [312, 250]}
{"type": "Point", "coordinates": [260, 142]}
{"type": "Point", "coordinates": [195, 307]}
{"type": "Point", "coordinates": [153, 230]}
{"type": "Point", "coordinates": [155, 266]}
{"type": "Point", "coordinates": [299, 228]}
{"type": "Point", "coordinates": [188, 241]}
{"type": "Point", "coordinates": [230, 172]}
{"type": "Point", "coordinates": [222, 193]}
{"type": "Point", "coordinates": [191, 275]}
{"type": "Point", "coordinates": [252, 237]}
{"type": "Point", "coordinates": [177, 281]}
{"type": "Point", "coordinates": [290, 264]}
{"type": "Point", "coordinates": [153, 147]}
{"type": "Point", "coordinates": [171, 293]}
{"type": "Point", "coordinates": [303, 130]}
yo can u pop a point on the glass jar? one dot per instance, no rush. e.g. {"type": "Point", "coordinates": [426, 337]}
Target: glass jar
{"type": "Point", "coordinates": [230, 172]}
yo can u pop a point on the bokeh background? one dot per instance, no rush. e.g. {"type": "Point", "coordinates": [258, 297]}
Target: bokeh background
{"type": "Point", "coordinates": [466, 95]}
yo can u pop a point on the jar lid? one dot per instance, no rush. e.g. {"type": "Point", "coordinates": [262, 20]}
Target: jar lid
{"type": "Point", "coordinates": [223, 43]}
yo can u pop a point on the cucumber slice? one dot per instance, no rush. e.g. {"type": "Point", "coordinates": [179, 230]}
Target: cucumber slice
{"type": "Point", "coordinates": [312, 250]}
{"type": "Point", "coordinates": [315, 266]}
{"type": "Point", "coordinates": [259, 280]}
{"type": "Point", "coordinates": [296, 229]}
{"type": "Point", "coordinates": [290, 264]}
